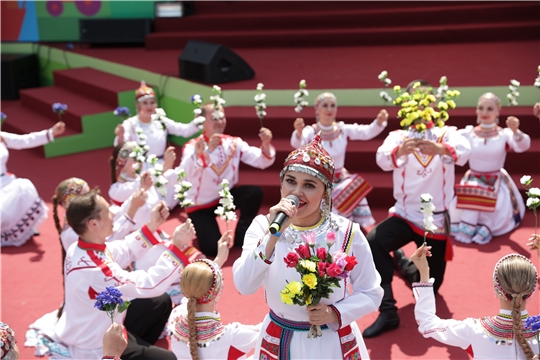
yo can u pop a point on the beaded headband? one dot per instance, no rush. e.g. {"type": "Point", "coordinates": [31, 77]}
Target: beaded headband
{"type": "Point", "coordinates": [324, 96]}
{"type": "Point", "coordinates": [75, 187]}
{"type": "Point", "coordinates": [217, 284]}
{"type": "Point", "coordinates": [123, 155]}
{"type": "Point", "coordinates": [144, 92]}
{"type": "Point", "coordinates": [497, 286]}
{"type": "Point", "coordinates": [491, 97]}
{"type": "Point", "coordinates": [7, 341]}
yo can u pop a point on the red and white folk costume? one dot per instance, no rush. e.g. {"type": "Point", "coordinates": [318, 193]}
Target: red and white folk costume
{"type": "Point", "coordinates": [490, 337]}
{"type": "Point", "coordinates": [417, 173]}
{"type": "Point", "coordinates": [215, 340]}
{"type": "Point", "coordinates": [340, 340]}
{"type": "Point", "coordinates": [23, 210]}
{"type": "Point", "coordinates": [224, 164]}
{"type": "Point", "coordinates": [350, 190]}
{"type": "Point", "coordinates": [489, 203]}
{"type": "Point", "coordinates": [157, 130]}
{"type": "Point", "coordinates": [90, 268]}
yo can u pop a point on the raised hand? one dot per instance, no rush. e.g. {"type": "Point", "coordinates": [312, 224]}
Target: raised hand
{"type": "Point", "coordinates": [119, 132]}
{"type": "Point", "coordinates": [512, 123]}
{"type": "Point", "coordinates": [159, 215]}
{"type": "Point", "coordinates": [224, 244]}
{"type": "Point", "coordinates": [299, 126]}
{"type": "Point", "coordinates": [419, 258]}
{"type": "Point", "coordinates": [169, 157]}
{"type": "Point", "coordinates": [382, 116]}
{"type": "Point", "coordinates": [58, 128]}
{"type": "Point", "coordinates": [183, 234]}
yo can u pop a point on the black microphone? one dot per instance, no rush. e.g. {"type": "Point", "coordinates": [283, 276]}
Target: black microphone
{"type": "Point", "coordinates": [276, 225]}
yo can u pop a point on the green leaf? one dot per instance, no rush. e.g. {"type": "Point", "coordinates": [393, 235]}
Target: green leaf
{"type": "Point", "coordinates": [124, 306]}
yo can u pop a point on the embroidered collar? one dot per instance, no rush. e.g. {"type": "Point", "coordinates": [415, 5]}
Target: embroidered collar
{"type": "Point", "coordinates": [85, 245]}
{"type": "Point", "coordinates": [293, 234]}
{"type": "Point", "coordinates": [500, 327]}
{"type": "Point", "coordinates": [328, 133]}
{"type": "Point", "coordinates": [209, 328]}
{"type": "Point", "coordinates": [485, 133]}
{"type": "Point", "coordinates": [330, 127]}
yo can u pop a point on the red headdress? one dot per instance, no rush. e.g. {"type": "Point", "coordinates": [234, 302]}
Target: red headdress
{"type": "Point", "coordinates": [144, 92]}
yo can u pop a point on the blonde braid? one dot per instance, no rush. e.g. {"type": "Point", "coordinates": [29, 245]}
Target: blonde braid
{"type": "Point", "coordinates": [518, 326]}
{"type": "Point", "coordinates": [193, 347]}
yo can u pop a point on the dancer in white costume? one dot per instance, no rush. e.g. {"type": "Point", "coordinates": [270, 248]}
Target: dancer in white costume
{"type": "Point", "coordinates": [308, 173]}
{"type": "Point", "coordinates": [489, 203]}
{"type": "Point", "coordinates": [196, 326]}
{"type": "Point", "coordinates": [350, 190]}
{"type": "Point", "coordinates": [23, 210]}
{"type": "Point", "coordinates": [503, 336]}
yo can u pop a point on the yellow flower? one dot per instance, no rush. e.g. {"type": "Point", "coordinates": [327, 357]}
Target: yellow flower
{"type": "Point", "coordinates": [420, 127]}
{"type": "Point", "coordinates": [426, 115]}
{"type": "Point", "coordinates": [442, 105]}
{"type": "Point", "coordinates": [417, 96]}
{"type": "Point", "coordinates": [416, 85]}
{"type": "Point", "coordinates": [440, 123]}
{"type": "Point", "coordinates": [397, 88]}
{"type": "Point", "coordinates": [424, 102]}
{"type": "Point", "coordinates": [456, 93]}
{"type": "Point", "coordinates": [398, 101]}
{"type": "Point", "coordinates": [309, 265]}
{"type": "Point", "coordinates": [310, 280]}
{"type": "Point", "coordinates": [309, 300]}
{"type": "Point", "coordinates": [444, 115]}
{"type": "Point", "coordinates": [431, 98]}
{"type": "Point", "coordinates": [436, 115]}
{"type": "Point", "coordinates": [286, 299]}
{"type": "Point", "coordinates": [405, 95]}
{"type": "Point", "coordinates": [451, 104]}
{"type": "Point", "coordinates": [294, 288]}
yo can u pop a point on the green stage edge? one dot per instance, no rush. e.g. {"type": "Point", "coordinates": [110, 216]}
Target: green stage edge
{"type": "Point", "coordinates": [174, 96]}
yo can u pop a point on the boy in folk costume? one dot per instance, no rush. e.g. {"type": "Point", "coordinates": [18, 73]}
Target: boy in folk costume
{"type": "Point", "coordinates": [421, 162]}
{"type": "Point", "coordinates": [213, 157]}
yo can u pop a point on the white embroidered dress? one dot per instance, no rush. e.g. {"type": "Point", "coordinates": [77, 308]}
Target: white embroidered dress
{"type": "Point", "coordinates": [335, 142]}
{"type": "Point", "coordinates": [488, 154]}
{"type": "Point", "coordinates": [250, 272]}
{"type": "Point", "coordinates": [23, 210]}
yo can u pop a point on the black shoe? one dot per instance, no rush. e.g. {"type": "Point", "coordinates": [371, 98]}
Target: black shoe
{"type": "Point", "coordinates": [406, 267]}
{"type": "Point", "coordinates": [385, 322]}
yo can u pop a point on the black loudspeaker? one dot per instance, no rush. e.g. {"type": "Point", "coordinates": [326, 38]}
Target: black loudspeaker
{"type": "Point", "coordinates": [19, 71]}
{"type": "Point", "coordinates": [212, 64]}
{"type": "Point", "coordinates": [114, 31]}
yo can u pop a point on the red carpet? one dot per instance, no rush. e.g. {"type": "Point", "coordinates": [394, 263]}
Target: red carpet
{"type": "Point", "coordinates": [31, 280]}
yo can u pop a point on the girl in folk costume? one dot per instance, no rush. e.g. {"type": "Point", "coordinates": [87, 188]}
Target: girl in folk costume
{"type": "Point", "coordinates": [489, 203]}
{"type": "Point", "coordinates": [151, 123]}
{"type": "Point", "coordinates": [197, 329]}
{"type": "Point", "coordinates": [126, 181]}
{"type": "Point", "coordinates": [308, 173]}
{"type": "Point", "coordinates": [350, 190]}
{"type": "Point", "coordinates": [22, 208]}
{"type": "Point", "coordinates": [503, 336]}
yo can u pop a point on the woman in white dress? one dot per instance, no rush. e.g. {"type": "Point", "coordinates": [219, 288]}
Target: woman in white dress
{"type": "Point", "coordinates": [350, 190]}
{"type": "Point", "coordinates": [152, 124]}
{"type": "Point", "coordinates": [23, 210]}
{"type": "Point", "coordinates": [197, 331]}
{"type": "Point", "coordinates": [308, 174]}
{"type": "Point", "coordinates": [488, 201]}
{"type": "Point", "coordinates": [503, 336]}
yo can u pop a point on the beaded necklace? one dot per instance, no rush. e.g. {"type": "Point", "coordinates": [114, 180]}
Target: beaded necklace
{"type": "Point", "coordinates": [328, 133]}
{"type": "Point", "coordinates": [500, 329]}
{"type": "Point", "coordinates": [485, 133]}
{"type": "Point", "coordinates": [293, 234]}
{"type": "Point", "coordinates": [209, 329]}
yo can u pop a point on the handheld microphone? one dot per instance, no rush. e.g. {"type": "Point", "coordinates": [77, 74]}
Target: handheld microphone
{"type": "Point", "coordinates": [277, 223]}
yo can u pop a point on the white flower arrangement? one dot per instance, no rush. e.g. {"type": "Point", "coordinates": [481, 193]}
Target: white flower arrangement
{"type": "Point", "coordinates": [260, 105]}
{"type": "Point", "coordinates": [443, 88]}
{"type": "Point", "coordinates": [139, 155]}
{"type": "Point", "coordinates": [218, 103]}
{"type": "Point", "coordinates": [156, 170]}
{"type": "Point", "coordinates": [199, 120]}
{"type": "Point", "coordinates": [533, 202]}
{"type": "Point", "coordinates": [300, 95]}
{"type": "Point", "coordinates": [181, 189]}
{"type": "Point", "coordinates": [383, 77]}
{"type": "Point", "coordinates": [158, 116]}
{"type": "Point", "coordinates": [427, 209]}
{"type": "Point", "coordinates": [226, 209]}
{"type": "Point", "coordinates": [537, 80]}
{"type": "Point", "coordinates": [514, 93]}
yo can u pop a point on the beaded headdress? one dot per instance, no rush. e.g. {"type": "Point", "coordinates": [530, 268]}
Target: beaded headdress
{"type": "Point", "coordinates": [324, 96]}
{"type": "Point", "coordinates": [217, 284]}
{"type": "Point", "coordinates": [314, 160]}
{"type": "Point", "coordinates": [491, 97]}
{"type": "Point", "coordinates": [7, 342]}
{"type": "Point", "coordinates": [144, 92]}
{"type": "Point", "coordinates": [75, 187]}
{"type": "Point", "coordinates": [497, 286]}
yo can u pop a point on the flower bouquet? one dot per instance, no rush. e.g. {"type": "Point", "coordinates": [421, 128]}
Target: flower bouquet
{"type": "Point", "coordinates": [427, 210]}
{"type": "Point", "coordinates": [260, 105]}
{"type": "Point", "coordinates": [418, 107]}
{"type": "Point", "coordinates": [218, 103]}
{"type": "Point", "coordinates": [299, 97]}
{"type": "Point", "coordinates": [60, 109]}
{"type": "Point", "coordinates": [181, 188]}
{"type": "Point", "coordinates": [319, 270]}
{"type": "Point", "coordinates": [226, 209]}
{"type": "Point", "coordinates": [156, 171]}
{"type": "Point", "coordinates": [514, 92]}
{"type": "Point", "coordinates": [122, 112]}
{"type": "Point", "coordinates": [138, 154]}
{"type": "Point", "coordinates": [383, 77]}
{"type": "Point", "coordinates": [111, 302]}
{"type": "Point", "coordinates": [196, 101]}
